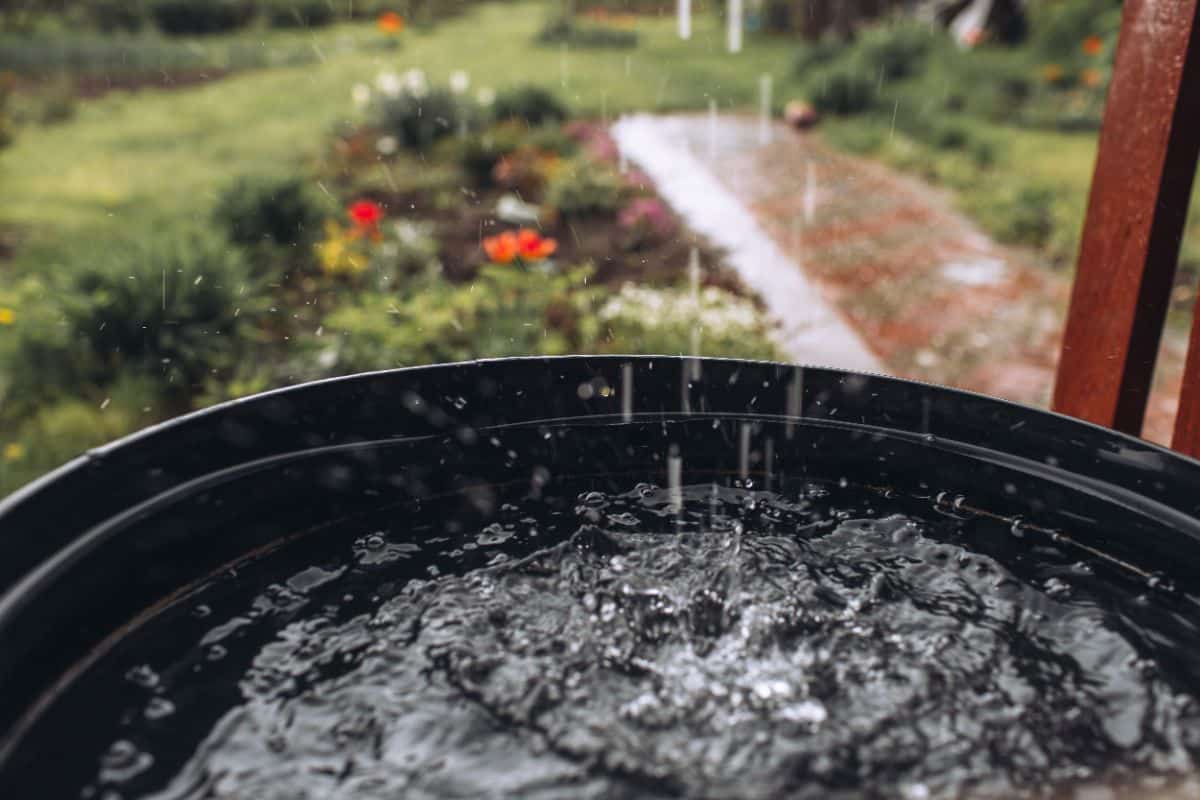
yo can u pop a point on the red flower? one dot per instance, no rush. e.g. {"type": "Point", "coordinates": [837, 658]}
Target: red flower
{"type": "Point", "coordinates": [533, 247]}
{"type": "Point", "coordinates": [1093, 45]}
{"type": "Point", "coordinates": [365, 215]}
{"type": "Point", "coordinates": [503, 248]}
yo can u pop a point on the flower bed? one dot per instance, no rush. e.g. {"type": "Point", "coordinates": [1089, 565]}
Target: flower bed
{"type": "Point", "coordinates": [444, 222]}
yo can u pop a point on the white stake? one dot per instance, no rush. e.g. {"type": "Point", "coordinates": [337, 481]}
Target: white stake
{"type": "Point", "coordinates": [685, 19]}
{"type": "Point", "coordinates": [734, 12]}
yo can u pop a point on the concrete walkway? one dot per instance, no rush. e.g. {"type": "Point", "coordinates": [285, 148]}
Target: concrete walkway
{"type": "Point", "coordinates": [811, 331]}
{"type": "Point", "coordinates": [867, 268]}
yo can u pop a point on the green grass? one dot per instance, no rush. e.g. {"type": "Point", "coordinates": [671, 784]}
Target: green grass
{"type": "Point", "coordinates": [130, 162]}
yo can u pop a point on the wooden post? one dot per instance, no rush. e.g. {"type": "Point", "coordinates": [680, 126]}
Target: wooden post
{"type": "Point", "coordinates": [1136, 216]}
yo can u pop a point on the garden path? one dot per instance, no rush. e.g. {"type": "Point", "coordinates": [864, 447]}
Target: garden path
{"type": "Point", "coordinates": [861, 257]}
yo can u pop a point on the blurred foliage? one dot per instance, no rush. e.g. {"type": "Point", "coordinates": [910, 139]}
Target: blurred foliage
{"type": "Point", "coordinates": [573, 32]}
{"type": "Point", "coordinates": [180, 308]}
{"type": "Point", "coordinates": [181, 17]}
{"type": "Point", "coordinates": [531, 104]}
{"type": "Point", "coordinates": [417, 115]}
{"type": "Point", "coordinates": [584, 187]}
{"type": "Point", "coordinates": [505, 311]}
{"type": "Point", "coordinates": [8, 127]}
{"type": "Point", "coordinates": [715, 322]}
{"type": "Point", "coordinates": [278, 212]}
{"type": "Point", "coordinates": [842, 88]}
{"type": "Point", "coordinates": [298, 13]}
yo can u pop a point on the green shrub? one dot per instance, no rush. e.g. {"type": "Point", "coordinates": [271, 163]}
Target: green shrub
{"type": "Point", "coordinates": [419, 118]}
{"type": "Point", "coordinates": [185, 17]}
{"type": "Point", "coordinates": [1022, 215]}
{"type": "Point", "coordinates": [111, 16]}
{"type": "Point", "coordinates": [504, 311]}
{"type": "Point", "coordinates": [583, 187]}
{"type": "Point", "coordinates": [479, 153]}
{"type": "Point", "coordinates": [177, 307]}
{"type": "Point", "coordinates": [282, 213]}
{"type": "Point", "coordinates": [897, 50]}
{"type": "Point", "coordinates": [40, 357]}
{"type": "Point", "coordinates": [567, 31]}
{"type": "Point", "coordinates": [640, 319]}
{"type": "Point", "coordinates": [531, 104]}
{"type": "Point", "coordinates": [814, 55]}
{"type": "Point", "coordinates": [8, 128]}
{"type": "Point", "coordinates": [842, 89]}
{"type": "Point", "coordinates": [58, 433]}
{"type": "Point", "coordinates": [298, 13]}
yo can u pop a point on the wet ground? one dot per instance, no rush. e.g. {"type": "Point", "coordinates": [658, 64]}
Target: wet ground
{"type": "Point", "coordinates": [932, 296]}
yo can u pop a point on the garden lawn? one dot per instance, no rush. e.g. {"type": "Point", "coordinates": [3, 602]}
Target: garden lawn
{"type": "Point", "coordinates": [132, 162]}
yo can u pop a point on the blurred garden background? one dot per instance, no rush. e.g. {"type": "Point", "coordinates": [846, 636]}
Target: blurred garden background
{"type": "Point", "coordinates": [202, 199]}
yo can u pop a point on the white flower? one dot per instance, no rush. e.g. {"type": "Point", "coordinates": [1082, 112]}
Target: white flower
{"type": "Point", "coordinates": [361, 95]}
{"type": "Point", "coordinates": [388, 83]}
{"type": "Point", "coordinates": [460, 81]}
{"type": "Point", "coordinates": [387, 145]}
{"type": "Point", "coordinates": [486, 96]}
{"type": "Point", "coordinates": [415, 83]}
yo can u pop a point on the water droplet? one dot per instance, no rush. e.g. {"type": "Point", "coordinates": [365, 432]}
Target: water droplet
{"type": "Point", "coordinates": [1018, 528]}
{"type": "Point", "coordinates": [159, 707]}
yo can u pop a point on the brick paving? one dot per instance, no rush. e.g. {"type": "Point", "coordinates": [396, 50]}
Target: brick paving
{"type": "Point", "coordinates": [933, 297]}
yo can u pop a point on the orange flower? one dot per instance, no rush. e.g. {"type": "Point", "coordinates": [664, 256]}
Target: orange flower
{"type": "Point", "coordinates": [1053, 73]}
{"type": "Point", "coordinates": [533, 247]}
{"type": "Point", "coordinates": [390, 22]}
{"type": "Point", "coordinates": [1091, 78]}
{"type": "Point", "coordinates": [503, 248]}
{"type": "Point", "coordinates": [526, 245]}
{"type": "Point", "coordinates": [1093, 45]}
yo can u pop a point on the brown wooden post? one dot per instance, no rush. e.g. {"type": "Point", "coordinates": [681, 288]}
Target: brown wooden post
{"type": "Point", "coordinates": [1136, 216]}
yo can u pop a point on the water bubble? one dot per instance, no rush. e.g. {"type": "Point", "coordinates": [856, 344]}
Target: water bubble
{"type": "Point", "coordinates": [201, 611]}
{"type": "Point", "coordinates": [123, 761]}
{"type": "Point", "coordinates": [1018, 528]}
{"type": "Point", "coordinates": [216, 653]}
{"type": "Point", "coordinates": [159, 707]}
{"type": "Point", "coordinates": [143, 675]}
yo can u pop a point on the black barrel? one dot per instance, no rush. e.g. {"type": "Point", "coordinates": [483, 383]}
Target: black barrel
{"type": "Point", "coordinates": [108, 541]}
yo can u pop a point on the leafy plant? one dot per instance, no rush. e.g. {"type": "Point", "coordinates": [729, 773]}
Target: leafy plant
{"type": "Point", "coordinates": [117, 15]}
{"type": "Point", "coordinates": [674, 321]}
{"type": "Point", "coordinates": [479, 153]}
{"type": "Point", "coordinates": [406, 108]}
{"type": "Point", "coordinates": [176, 307]}
{"type": "Point", "coordinates": [896, 50]}
{"type": "Point", "coordinates": [842, 89]}
{"type": "Point", "coordinates": [298, 13]}
{"type": "Point", "coordinates": [505, 311]}
{"type": "Point", "coordinates": [284, 212]}
{"type": "Point", "coordinates": [582, 187]}
{"type": "Point", "coordinates": [182, 17]}
{"type": "Point", "coordinates": [531, 104]}
{"type": "Point", "coordinates": [567, 31]}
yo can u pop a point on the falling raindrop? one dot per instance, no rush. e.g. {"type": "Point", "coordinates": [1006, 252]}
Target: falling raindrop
{"type": "Point", "coordinates": [627, 392]}
{"type": "Point", "coordinates": [675, 478]}
{"type": "Point", "coordinates": [712, 129]}
{"type": "Point", "coordinates": [810, 193]}
{"type": "Point", "coordinates": [764, 109]}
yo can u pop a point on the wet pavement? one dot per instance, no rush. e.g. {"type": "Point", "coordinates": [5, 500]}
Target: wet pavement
{"type": "Point", "coordinates": [932, 297]}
